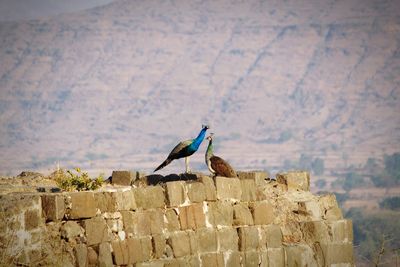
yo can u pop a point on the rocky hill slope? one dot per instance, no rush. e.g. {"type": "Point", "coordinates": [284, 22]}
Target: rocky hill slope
{"type": "Point", "coordinates": [118, 86]}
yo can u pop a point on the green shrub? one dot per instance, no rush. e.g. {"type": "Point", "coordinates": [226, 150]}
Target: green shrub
{"type": "Point", "coordinates": [78, 181]}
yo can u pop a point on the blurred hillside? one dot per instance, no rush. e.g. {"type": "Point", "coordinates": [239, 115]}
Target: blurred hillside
{"type": "Point", "coordinates": [117, 86]}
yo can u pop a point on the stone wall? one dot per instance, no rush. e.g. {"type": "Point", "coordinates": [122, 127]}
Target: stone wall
{"type": "Point", "coordinates": [245, 221]}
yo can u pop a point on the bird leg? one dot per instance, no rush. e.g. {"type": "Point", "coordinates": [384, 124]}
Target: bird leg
{"type": "Point", "coordinates": [187, 164]}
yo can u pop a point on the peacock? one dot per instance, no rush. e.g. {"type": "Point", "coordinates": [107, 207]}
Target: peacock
{"type": "Point", "coordinates": [217, 165]}
{"type": "Point", "coordinates": [185, 149]}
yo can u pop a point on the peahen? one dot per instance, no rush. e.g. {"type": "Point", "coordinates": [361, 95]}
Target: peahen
{"type": "Point", "coordinates": [185, 149]}
{"type": "Point", "coordinates": [217, 165]}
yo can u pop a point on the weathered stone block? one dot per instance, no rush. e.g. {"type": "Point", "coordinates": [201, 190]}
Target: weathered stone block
{"type": "Point", "coordinates": [212, 259]}
{"type": "Point", "coordinates": [140, 249]}
{"type": "Point", "coordinates": [257, 176]}
{"type": "Point", "coordinates": [251, 258]}
{"type": "Point", "coordinates": [120, 252]}
{"type": "Point", "coordinates": [33, 219]}
{"type": "Point", "coordinates": [92, 257]}
{"type": "Point", "coordinates": [115, 201]}
{"type": "Point", "coordinates": [176, 193]}
{"type": "Point", "coordinates": [228, 239]}
{"type": "Point", "coordinates": [263, 212]}
{"type": "Point", "coordinates": [209, 186]}
{"type": "Point", "coordinates": [207, 240]}
{"type": "Point", "coordinates": [180, 243]}
{"type": "Point", "coordinates": [242, 215]}
{"type": "Point", "coordinates": [300, 255]}
{"type": "Point", "coordinates": [315, 231]}
{"type": "Point", "coordinates": [295, 180]}
{"type": "Point", "coordinates": [122, 177]}
{"type": "Point", "coordinates": [156, 263]}
{"type": "Point", "coordinates": [311, 208]}
{"type": "Point", "coordinates": [336, 253]}
{"type": "Point", "coordinates": [53, 207]}
{"type": "Point", "coordinates": [249, 238]}
{"type": "Point", "coordinates": [81, 255]}
{"type": "Point", "coordinates": [232, 259]}
{"type": "Point", "coordinates": [82, 205]}
{"type": "Point", "coordinates": [192, 216]}
{"type": "Point", "coordinates": [276, 257]}
{"type": "Point", "coordinates": [141, 223]}
{"type": "Point", "coordinates": [220, 213]}
{"type": "Point", "coordinates": [171, 220]}
{"type": "Point", "coordinates": [159, 244]}
{"type": "Point", "coordinates": [71, 229]}
{"type": "Point", "coordinates": [248, 190]}
{"type": "Point", "coordinates": [96, 231]}
{"type": "Point", "coordinates": [272, 236]}
{"type": "Point", "coordinates": [196, 192]}
{"type": "Point", "coordinates": [105, 258]}
{"type": "Point", "coordinates": [228, 189]}
{"type": "Point", "coordinates": [149, 197]}
{"type": "Point", "coordinates": [342, 230]}
{"type": "Point", "coordinates": [330, 208]}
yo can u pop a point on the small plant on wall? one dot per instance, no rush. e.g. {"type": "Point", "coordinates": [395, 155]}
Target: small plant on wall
{"type": "Point", "coordinates": [77, 180]}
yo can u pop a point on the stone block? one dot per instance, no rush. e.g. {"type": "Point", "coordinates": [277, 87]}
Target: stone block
{"type": "Point", "coordinates": [123, 177]}
{"type": "Point", "coordinates": [176, 193]}
{"type": "Point", "coordinates": [171, 220]}
{"type": "Point", "coordinates": [220, 213]}
{"type": "Point", "coordinates": [232, 259]}
{"type": "Point", "coordinates": [300, 255]}
{"type": "Point", "coordinates": [33, 219]}
{"type": "Point", "coordinates": [115, 201]}
{"type": "Point", "coordinates": [228, 239]}
{"type": "Point", "coordinates": [192, 216]}
{"type": "Point", "coordinates": [159, 245]}
{"type": "Point", "coordinates": [315, 231]}
{"type": "Point", "coordinates": [92, 257]}
{"type": "Point", "coordinates": [70, 230]}
{"type": "Point", "coordinates": [248, 190]}
{"type": "Point", "coordinates": [145, 222]}
{"type": "Point", "coordinates": [295, 180]}
{"type": "Point", "coordinates": [156, 263]}
{"type": "Point", "coordinates": [228, 189]}
{"type": "Point", "coordinates": [342, 230]}
{"type": "Point", "coordinates": [257, 176]}
{"type": "Point", "coordinates": [209, 186]}
{"type": "Point", "coordinates": [82, 205]}
{"type": "Point", "coordinates": [81, 255]}
{"type": "Point", "coordinates": [330, 208]}
{"type": "Point", "coordinates": [120, 252]}
{"type": "Point", "coordinates": [149, 197]}
{"type": "Point", "coordinates": [310, 208]}
{"type": "Point", "coordinates": [249, 238]}
{"type": "Point", "coordinates": [53, 207]}
{"type": "Point", "coordinates": [105, 258]}
{"type": "Point", "coordinates": [263, 212]}
{"type": "Point", "coordinates": [180, 243]}
{"type": "Point", "coordinates": [251, 258]}
{"type": "Point", "coordinates": [196, 192]}
{"type": "Point", "coordinates": [140, 249]}
{"type": "Point", "coordinates": [212, 259]}
{"type": "Point", "coordinates": [276, 257]}
{"type": "Point", "coordinates": [337, 253]}
{"type": "Point", "coordinates": [207, 240]}
{"type": "Point", "coordinates": [242, 215]}
{"type": "Point", "coordinates": [272, 236]}
{"type": "Point", "coordinates": [96, 230]}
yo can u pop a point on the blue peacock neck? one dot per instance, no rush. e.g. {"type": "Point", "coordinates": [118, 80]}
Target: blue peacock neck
{"type": "Point", "coordinates": [197, 141]}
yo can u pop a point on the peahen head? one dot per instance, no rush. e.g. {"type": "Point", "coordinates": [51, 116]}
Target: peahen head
{"type": "Point", "coordinates": [210, 137]}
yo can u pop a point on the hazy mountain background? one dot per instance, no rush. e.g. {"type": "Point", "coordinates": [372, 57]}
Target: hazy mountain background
{"type": "Point", "coordinates": [117, 86]}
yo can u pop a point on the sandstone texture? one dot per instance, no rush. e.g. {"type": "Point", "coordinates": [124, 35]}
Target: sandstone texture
{"type": "Point", "coordinates": [244, 221]}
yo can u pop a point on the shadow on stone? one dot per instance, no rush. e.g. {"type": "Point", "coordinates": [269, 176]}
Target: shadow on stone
{"type": "Point", "coordinates": [155, 179]}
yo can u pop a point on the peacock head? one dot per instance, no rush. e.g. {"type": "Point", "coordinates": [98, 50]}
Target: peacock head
{"type": "Point", "coordinates": [205, 127]}
{"type": "Point", "coordinates": [210, 137]}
